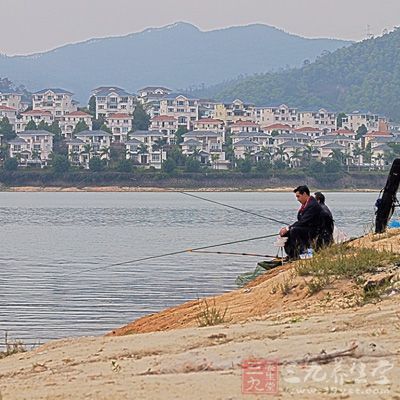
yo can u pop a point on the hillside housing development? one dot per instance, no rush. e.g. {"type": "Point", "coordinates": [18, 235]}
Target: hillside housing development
{"type": "Point", "coordinates": [217, 134]}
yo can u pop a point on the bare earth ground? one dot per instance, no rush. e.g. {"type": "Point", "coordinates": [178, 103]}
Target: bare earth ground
{"type": "Point", "coordinates": [326, 345]}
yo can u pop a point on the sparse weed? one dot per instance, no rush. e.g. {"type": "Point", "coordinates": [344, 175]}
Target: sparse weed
{"type": "Point", "coordinates": [210, 315]}
{"type": "Point", "coordinates": [285, 287]}
{"type": "Point", "coordinates": [317, 283]}
{"type": "Point", "coordinates": [11, 348]}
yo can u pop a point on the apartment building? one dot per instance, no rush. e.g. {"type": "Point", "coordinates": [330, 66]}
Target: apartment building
{"type": "Point", "coordinates": [111, 100]}
{"type": "Point", "coordinates": [32, 147]}
{"type": "Point", "coordinates": [356, 119]}
{"type": "Point", "coordinates": [36, 116]}
{"type": "Point", "coordinates": [183, 108]}
{"type": "Point", "coordinates": [321, 119]}
{"type": "Point", "coordinates": [120, 125]}
{"type": "Point", "coordinates": [230, 113]}
{"type": "Point", "coordinates": [58, 102]}
{"type": "Point", "coordinates": [283, 114]}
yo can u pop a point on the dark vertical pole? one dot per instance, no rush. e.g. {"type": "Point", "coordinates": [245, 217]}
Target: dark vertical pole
{"type": "Point", "coordinates": [388, 200]}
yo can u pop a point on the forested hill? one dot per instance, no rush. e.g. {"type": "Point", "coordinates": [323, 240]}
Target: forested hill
{"type": "Point", "coordinates": [364, 76]}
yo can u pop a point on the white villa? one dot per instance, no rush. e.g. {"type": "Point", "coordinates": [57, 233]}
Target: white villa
{"type": "Point", "coordinates": [165, 124]}
{"type": "Point", "coordinates": [69, 121]}
{"type": "Point", "coordinates": [58, 102]}
{"type": "Point", "coordinates": [88, 144]}
{"type": "Point", "coordinates": [120, 124]}
{"type": "Point", "coordinates": [145, 148]}
{"type": "Point", "coordinates": [32, 147]}
{"type": "Point", "coordinates": [111, 100]}
{"type": "Point", "coordinates": [36, 116]}
{"type": "Point", "coordinates": [183, 108]}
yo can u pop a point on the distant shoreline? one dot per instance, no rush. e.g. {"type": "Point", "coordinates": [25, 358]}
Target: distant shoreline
{"type": "Point", "coordinates": [120, 189]}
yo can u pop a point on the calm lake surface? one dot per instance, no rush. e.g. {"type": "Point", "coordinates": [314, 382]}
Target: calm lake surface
{"type": "Point", "coordinates": [57, 248]}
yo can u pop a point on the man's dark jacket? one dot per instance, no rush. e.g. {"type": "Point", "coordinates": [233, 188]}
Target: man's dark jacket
{"type": "Point", "coordinates": [309, 218]}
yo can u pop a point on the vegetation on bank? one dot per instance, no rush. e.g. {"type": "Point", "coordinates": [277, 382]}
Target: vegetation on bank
{"type": "Point", "coordinates": [355, 264]}
{"type": "Point", "coordinates": [185, 179]}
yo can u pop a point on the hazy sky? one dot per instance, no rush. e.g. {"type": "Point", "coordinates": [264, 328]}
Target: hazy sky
{"type": "Point", "coordinates": [30, 26]}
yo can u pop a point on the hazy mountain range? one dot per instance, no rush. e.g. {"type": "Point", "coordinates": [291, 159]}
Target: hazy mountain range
{"type": "Point", "coordinates": [176, 56]}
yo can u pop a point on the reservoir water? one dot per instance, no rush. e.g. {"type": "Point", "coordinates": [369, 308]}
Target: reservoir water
{"type": "Point", "coordinates": [57, 248]}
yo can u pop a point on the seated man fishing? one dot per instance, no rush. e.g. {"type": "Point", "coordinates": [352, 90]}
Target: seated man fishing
{"type": "Point", "coordinates": [305, 230]}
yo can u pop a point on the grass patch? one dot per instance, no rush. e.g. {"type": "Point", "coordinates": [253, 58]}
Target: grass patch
{"type": "Point", "coordinates": [210, 315]}
{"type": "Point", "coordinates": [12, 347]}
{"type": "Point", "coordinates": [343, 262]}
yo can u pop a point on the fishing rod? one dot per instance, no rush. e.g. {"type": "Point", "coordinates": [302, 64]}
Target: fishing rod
{"type": "Point", "coordinates": [173, 253]}
{"type": "Point", "coordinates": [232, 207]}
{"type": "Point", "coordinates": [233, 254]}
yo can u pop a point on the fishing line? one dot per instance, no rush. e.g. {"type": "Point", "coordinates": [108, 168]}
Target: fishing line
{"type": "Point", "coordinates": [173, 253]}
{"type": "Point", "coordinates": [232, 207]}
{"type": "Point", "coordinates": [233, 254]}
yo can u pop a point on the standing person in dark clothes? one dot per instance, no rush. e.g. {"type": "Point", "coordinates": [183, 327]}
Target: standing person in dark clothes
{"type": "Point", "coordinates": [301, 233]}
{"type": "Point", "coordinates": [325, 237]}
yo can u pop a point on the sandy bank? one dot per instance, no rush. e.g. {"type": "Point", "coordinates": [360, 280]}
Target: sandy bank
{"type": "Point", "coordinates": [205, 363]}
{"type": "Point", "coordinates": [326, 346]}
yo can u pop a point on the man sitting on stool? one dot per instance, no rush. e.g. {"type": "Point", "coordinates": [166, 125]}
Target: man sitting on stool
{"type": "Point", "coordinates": [305, 230]}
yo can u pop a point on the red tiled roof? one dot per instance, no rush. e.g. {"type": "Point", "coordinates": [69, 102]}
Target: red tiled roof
{"type": "Point", "coordinates": [119, 116]}
{"type": "Point", "coordinates": [36, 112]}
{"type": "Point", "coordinates": [163, 118]}
{"type": "Point", "coordinates": [307, 129]}
{"type": "Point", "coordinates": [378, 133]}
{"type": "Point", "coordinates": [244, 123]}
{"type": "Point", "coordinates": [208, 121]}
{"type": "Point", "coordinates": [78, 114]}
{"type": "Point", "coordinates": [5, 108]}
{"type": "Point", "coordinates": [277, 126]}
{"type": "Point", "coordinates": [345, 132]}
